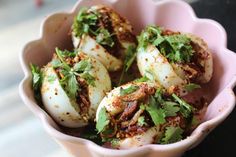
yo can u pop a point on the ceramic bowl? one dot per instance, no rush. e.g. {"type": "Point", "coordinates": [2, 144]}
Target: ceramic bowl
{"type": "Point", "coordinates": [175, 15]}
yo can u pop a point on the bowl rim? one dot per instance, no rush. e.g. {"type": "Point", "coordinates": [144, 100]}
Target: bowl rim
{"type": "Point", "coordinates": [188, 142]}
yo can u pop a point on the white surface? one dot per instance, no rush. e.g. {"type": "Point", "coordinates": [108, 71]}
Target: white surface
{"type": "Point", "coordinates": [21, 133]}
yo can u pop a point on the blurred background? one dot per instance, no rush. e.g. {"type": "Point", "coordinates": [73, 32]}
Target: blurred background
{"type": "Point", "coordinates": [22, 134]}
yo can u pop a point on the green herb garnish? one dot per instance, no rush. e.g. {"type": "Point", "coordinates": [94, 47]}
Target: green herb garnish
{"type": "Point", "coordinates": [141, 79]}
{"type": "Point", "coordinates": [157, 114]}
{"type": "Point", "coordinates": [51, 78]}
{"type": "Point", "coordinates": [128, 90]}
{"type": "Point", "coordinates": [176, 48]}
{"type": "Point", "coordinates": [185, 109]}
{"type": "Point", "coordinates": [103, 120]}
{"type": "Point", "coordinates": [171, 108]}
{"type": "Point", "coordinates": [130, 56]}
{"type": "Point", "coordinates": [104, 37]}
{"type": "Point", "coordinates": [69, 81]}
{"type": "Point", "coordinates": [37, 78]}
{"type": "Point", "coordinates": [141, 121]}
{"type": "Point", "coordinates": [84, 21]}
{"type": "Point", "coordinates": [155, 111]}
{"type": "Point", "coordinates": [172, 134]}
{"type": "Point", "coordinates": [87, 22]}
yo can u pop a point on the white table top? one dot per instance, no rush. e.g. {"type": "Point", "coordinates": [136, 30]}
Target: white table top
{"type": "Point", "coordinates": [21, 133]}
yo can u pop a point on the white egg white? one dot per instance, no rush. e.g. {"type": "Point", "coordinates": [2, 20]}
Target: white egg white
{"type": "Point", "coordinates": [92, 48]}
{"type": "Point", "coordinates": [152, 61]}
{"type": "Point", "coordinates": [64, 110]}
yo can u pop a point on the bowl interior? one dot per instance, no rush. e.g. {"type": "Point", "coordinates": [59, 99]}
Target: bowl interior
{"type": "Point", "coordinates": [57, 29]}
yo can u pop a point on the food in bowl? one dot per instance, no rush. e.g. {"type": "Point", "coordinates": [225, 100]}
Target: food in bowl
{"type": "Point", "coordinates": [146, 110]}
{"type": "Point", "coordinates": [177, 61]}
{"type": "Point", "coordinates": [102, 33]}
{"type": "Point", "coordinates": [141, 113]}
{"type": "Point", "coordinates": [71, 87]}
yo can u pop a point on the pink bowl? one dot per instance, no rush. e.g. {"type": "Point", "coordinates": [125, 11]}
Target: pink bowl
{"type": "Point", "coordinates": [175, 15]}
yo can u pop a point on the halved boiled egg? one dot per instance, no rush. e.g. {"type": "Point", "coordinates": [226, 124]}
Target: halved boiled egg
{"type": "Point", "coordinates": [140, 113]}
{"type": "Point", "coordinates": [68, 94]}
{"type": "Point", "coordinates": [173, 59]}
{"type": "Point", "coordinates": [102, 33]}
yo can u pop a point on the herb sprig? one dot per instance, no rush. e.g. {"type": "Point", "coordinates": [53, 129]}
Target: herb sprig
{"type": "Point", "coordinates": [130, 56]}
{"type": "Point", "coordinates": [70, 74]}
{"type": "Point", "coordinates": [86, 22]}
{"type": "Point", "coordinates": [37, 78]}
{"type": "Point", "coordinates": [172, 134]}
{"type": "Point", "coordinates": [176, 48]}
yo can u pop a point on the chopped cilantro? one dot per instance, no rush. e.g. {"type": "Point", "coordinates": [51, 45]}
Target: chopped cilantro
{"type": "Point", "coordinates": [103, 120]}
{"type": "Point", "coordinates": [86, 22]}
{"type": "Point", "coordinates": [176, 48]}
{"type": "Point", "coordinates": [56, 63]}
{"type": "Point", "coordinates": [51, 78]}
{"type": "Point", "coordinates": [158, 96]}
{"type": "Point", "coordinates": [83, 65]}
{"type": "Point", "coordinates": [70, 84]}
{"type": "Point", "coordinates": [172, 134]}
{"type": "Point", "coordinates": [130, 56]}
{"type": "Point", "coordinates": [88, 78]}
{"type": "Point", "coordinates": [83, 22]}
{"type": "Point", "coordinates": [69, 81]}
{"type": "Point", "coordinates": [191, 86]}
{"type": "Point", "coordinates": [185, 109]}
{"type": "Point", "coordinates": [128, 90]}
{"type": "Point", "coordinates": [171, 108]}
{"type": "Point", "coordinates": [141, 79]}
{"type": "Point", "coordinates": [157, 114]}
{"type": "Point", "coordinates": [104, 37]}
{"type": "Point", "coordinates": [36, 81]}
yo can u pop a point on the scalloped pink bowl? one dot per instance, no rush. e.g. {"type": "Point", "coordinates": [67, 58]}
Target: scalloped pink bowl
{"type": "Point", "coordinates": [175, 15]}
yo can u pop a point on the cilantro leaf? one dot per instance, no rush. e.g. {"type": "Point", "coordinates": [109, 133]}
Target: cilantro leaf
{"type": "Point", "coordinates": [185, 109]}
{"type": "Point", "coordinates": [88, 78]}
{"type": "Point", "coordinates": [128, 90]}
{"type": "Point", "coordinates": [56, 63]}
{"type": "Point", "coordinates": [157, 114]}
{"type": "Point", "coordinates": [141, 121]}
{"type": "Point", "coordinates": [83, 22]}
{"type": "Point", "coordinates": [181, 50]}
{"type": "Point", "coordinates": [141, 79]}
{"type": "Point", "coordinates": [69, 81]}
{"type": "Point", "coordinates": [87, 22]}
{"type": "Point", "coordinates": [36, 81]}
{"type": "Point", "coordinates": [158, 96]}
{"type": "Point", "coordinates": [176, 47]}
{"type": "Point", "coordinates": [104, 37]}
{"type": "Point", "coordinates": [171, 108]}
{"type": "Point", "coordinates": [172, 134]}
{"type": "Point", "coordinates": [130, 56]}
{"type": "Point", "coordinates": [51, 78]}
{"type": "Point", "coordinates": [71, 86]}
{"type": "Point", "coordinates": [148, 36]}
{"type": "Point", "coordinates": [191, 86]}
{"type": "Point", "coordinates": [103, 120]}
{"type": "Point", "coordinates": [83, 65]}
